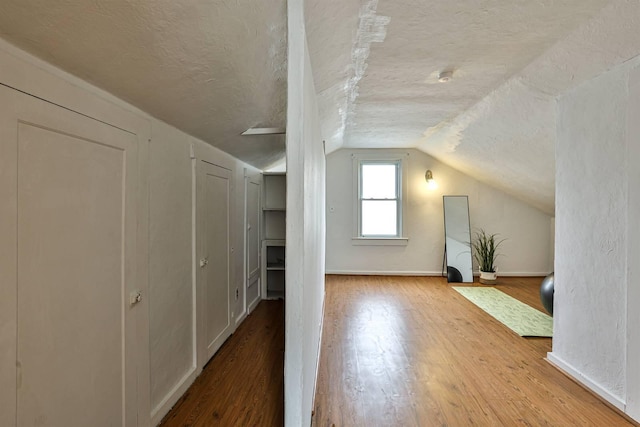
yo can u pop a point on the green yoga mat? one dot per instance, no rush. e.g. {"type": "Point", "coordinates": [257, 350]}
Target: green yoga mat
{"type": "Point", "coordinates": [522, 319]}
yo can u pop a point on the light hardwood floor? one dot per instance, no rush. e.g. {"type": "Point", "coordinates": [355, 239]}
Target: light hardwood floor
{"type": "Point", "coordinates": [410, 351]}
{"type": "Point", "coordinates": [396, 351]}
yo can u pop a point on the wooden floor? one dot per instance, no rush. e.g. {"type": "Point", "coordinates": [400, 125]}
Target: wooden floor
{"type": "Point", "coordinates": [243, 384]}
{"type": "Point", "coordinates": [396, 351]}
{"type": "Point", "coordinates": [408, 351]}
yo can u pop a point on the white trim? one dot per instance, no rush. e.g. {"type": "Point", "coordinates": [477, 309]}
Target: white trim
{"type": "Point", "coordinates": [633, 249]}
{"type": "Point", "coordinates": [384, 273]}
{"type": "Point", "coordinates": [245, 245]}
{"type": "Point", "coordinates": [426, 273]}
{"type": "Point", "coordinates": [380, 241]}
{"type": "Point", "coordinates": [251, 305]}
{"type": "Point", "coordinates": [315, 379]}
{"type": "Point", "coordinates": [403, 182]}
{"type": "Point", "coordinates": [517, 274]}
{"type": "Point", "coordinates": [165, 405]}
{"type": "Point", "coordinates": [576, 375]}
{"type": "Point", "coordinates": [32, 75]}
{"type": "Point", "coordinates": [195, 273]}
{"type": "Point", "coordinates": [205, 164]}
{"type": "Point", "coordinates": [264, 131]}
{"type": "Point", "coordinates": [397, 165]}
{"type": "Point", "coordinates": [256, 301]}
{"type": "Point", "coordinates": [239, 320]}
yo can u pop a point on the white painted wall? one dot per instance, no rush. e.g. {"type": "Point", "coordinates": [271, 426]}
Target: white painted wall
{"type": "Point", "coordinates": [595, 334]}
{"type": "Point", "coordinates": [552, 243]}
{"type": "Point", "coordinates": [171, 336]}
{"type": "Point", "coordinates": [172, 347]}
{"type": "Point", "coordinates": [633, 247]}
{"type": "Point", "coordinates": [525, 252]}
{"type": "Point", "coordinates": [28, 74]}
{"type": "Point", "coordinates": [305, 228]}
{"type": "Point", "coordinates": [167, 364]}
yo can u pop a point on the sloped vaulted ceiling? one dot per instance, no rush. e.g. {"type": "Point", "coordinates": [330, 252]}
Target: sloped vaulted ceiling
{"type": "Point", "coordinates": [210, 68]}
{"type": "Point", "coordinates": [214, 68]}
{"type": "Point", "coordinates": [376, 65]}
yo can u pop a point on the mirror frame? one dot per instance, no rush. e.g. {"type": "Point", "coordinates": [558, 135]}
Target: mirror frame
{"type": "Point", "coordinates": [463, 264]}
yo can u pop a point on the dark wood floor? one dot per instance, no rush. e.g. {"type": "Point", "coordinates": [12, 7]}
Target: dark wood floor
{"type": "Point", "coordinates": [409, 351]}
{"type": "Point", "coordinates": [243, 384]}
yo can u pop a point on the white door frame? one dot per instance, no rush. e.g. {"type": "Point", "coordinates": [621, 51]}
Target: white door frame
{"type": "Point", "coordinates": [249, 179]}
{"type": "Point", "coordinates": [39, 112]}
{"type": "Point", "coordinates": [201, 265]}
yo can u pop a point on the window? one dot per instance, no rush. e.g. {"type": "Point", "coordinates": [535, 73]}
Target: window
{"type": "Point", "coordinates": [379, 199]}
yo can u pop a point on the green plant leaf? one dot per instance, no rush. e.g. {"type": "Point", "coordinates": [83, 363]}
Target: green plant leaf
{"type": "Point", "coordinates": [485, 250]}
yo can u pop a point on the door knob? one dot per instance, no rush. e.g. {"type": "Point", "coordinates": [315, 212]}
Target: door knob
{"type": "Point", "coordinates": [135, 297]}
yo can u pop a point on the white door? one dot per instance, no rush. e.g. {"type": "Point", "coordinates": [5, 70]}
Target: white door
{"type": "Point", "coordinates": [253, 243]}
{"type": "Point", "coordinates": [67, 331]}
{"type": "Point", "coordinates": [214, 289]}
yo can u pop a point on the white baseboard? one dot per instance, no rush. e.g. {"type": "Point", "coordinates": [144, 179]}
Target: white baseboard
{"type": "Point", "coordinates": [173, 396]}
{"type": "Point", "coordinates": [241, 318]}
{"type": "Point", "coordinates": [520, 273]}
{"type": "Point", "coordinates": [429, 273]}
{"type": "Point", "coordinates": [253, 304]}
{"type": "Point", "coordinates": [315, 379]}
{"type": "Point", "coordinates": [384, 273]}
{"type": "Point", "coordinates": [572, 372]}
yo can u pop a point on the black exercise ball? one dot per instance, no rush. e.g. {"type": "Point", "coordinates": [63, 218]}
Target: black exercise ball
{"type": "Point", "coordinates": [453, 275]}
{"type": "Point", "coordinates": [546, 293]}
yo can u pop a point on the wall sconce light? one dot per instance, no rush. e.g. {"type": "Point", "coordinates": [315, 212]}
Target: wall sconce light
{"type": "Point", "coordinates": [431, 183]}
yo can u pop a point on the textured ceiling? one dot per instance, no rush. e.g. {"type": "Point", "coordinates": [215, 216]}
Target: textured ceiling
{"type": "Point", "coordinates": [210, 68]}
{"type": "Point", "coordinates": [495, 120]}
{"type": "Point", "coordinates": [214, 68]}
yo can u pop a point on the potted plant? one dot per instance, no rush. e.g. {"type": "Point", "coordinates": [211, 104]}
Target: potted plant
{"type": "Point", "coordinates": [485, 251]}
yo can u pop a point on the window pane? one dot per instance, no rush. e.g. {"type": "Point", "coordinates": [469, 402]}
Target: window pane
{"type": "Point", "coordinates": [379, 218]}
{"type": "Point", "coordinates": [379, 181]}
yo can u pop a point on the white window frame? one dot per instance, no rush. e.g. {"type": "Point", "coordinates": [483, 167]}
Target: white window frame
{"type": "Point", "coordinates": [382, 158]}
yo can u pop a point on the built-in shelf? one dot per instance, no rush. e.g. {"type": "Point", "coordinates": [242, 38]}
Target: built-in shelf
{"type": "Point", "coordinates": [275, 266]}
{"type": "Point", "coordinates": [273, 243]}
{"type": "Point", "coordinates": [273, 272]}
{"type": "Point", "coordinates": [275, 191]}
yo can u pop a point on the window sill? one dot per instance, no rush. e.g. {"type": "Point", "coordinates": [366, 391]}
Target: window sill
{"type": "Point", "coordinates": [380, 241]}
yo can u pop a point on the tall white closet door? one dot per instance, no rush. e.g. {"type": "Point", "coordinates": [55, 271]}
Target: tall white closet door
{"type": "Point", "coordinates": [8, 257]}
{"type": "Point", "coordinates": [68, 334]}
{"type": "Point", "coordinates": [214, 289]}
{"type": "Point", "coordinates": [253, 241]}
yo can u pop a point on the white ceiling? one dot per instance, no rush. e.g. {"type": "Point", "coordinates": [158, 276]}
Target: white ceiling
{"type": "Point", "coordinates": [376, 67]}
{"type": "Point", "coordinates": [214, 68]}
{"type": "Point", "coordinates": [211, 68]}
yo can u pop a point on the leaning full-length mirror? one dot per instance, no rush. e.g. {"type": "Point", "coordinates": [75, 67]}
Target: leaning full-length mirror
{"type": "Point", "coordinates": [457, 236]}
